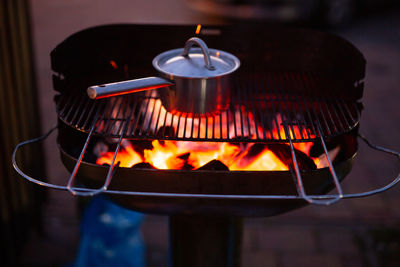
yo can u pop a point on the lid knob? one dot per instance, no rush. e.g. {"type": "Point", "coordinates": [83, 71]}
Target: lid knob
{"type": "Point", "coordinates": [194, 40]}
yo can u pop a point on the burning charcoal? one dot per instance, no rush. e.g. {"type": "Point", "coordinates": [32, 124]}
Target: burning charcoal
{"type": "Point", "coordinates": [283, 152]}
{"type": "Point", "coordinates": [214, 165]}
{"type": "Point", "coordinates": [238, 143]}
{"type": "Point", "coordinates": [141, 145]}
{"type": "Point", "coordinates": [165, 131]}
{"type": "Point", "coordinates": [316, 149]}
{"type": "Point", "coordinates": [184, 156]}
{"type": "Point", "coordinates": [256, 149]}
{"type": "Point", "coordinates": [187, 166]}
{"type": "Point", "coordinates": [143, 165]}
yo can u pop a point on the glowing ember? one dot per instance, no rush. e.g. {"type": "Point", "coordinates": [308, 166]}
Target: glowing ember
{"type": "Point", "coordinates": [266, 161]}
{"type": "Point", "coordinates": [127, 156]}
{"type": "Point", "coordinates": [193, 155]}
{"type": "Point", "coordinates": [177, 154]}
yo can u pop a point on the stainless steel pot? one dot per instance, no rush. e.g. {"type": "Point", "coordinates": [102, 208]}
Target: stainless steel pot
{"type": "Point", "coordinates": [195, 82]}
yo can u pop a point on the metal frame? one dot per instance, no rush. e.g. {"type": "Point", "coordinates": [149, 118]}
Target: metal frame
{"type": "Point", "coordinates": [315, 199]}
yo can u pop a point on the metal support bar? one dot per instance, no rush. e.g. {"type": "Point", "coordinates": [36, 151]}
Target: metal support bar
{"type": "Point", "coordinates": [332, 170]}
{"type": "Point", "coordinates": [300, 185]}
{"type": "Point", "coordinates": [78, 163]}
{"type": "Point", "coordinates": [110, 173]}
{"type": "Point", "coordinates": [113, 167]}
{"type": "Point", "coordinates": [313, 198]}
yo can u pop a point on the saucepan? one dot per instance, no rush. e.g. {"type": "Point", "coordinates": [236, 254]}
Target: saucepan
{"type": "Point", "coordinates": [193, 79]}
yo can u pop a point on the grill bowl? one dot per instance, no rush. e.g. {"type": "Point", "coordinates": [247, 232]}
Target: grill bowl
{"type": "Point", "coordinates": [281, 183]}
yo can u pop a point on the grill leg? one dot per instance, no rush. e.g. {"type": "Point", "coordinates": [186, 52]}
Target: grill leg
{"type": "Point", "coordinates": [205, 241]}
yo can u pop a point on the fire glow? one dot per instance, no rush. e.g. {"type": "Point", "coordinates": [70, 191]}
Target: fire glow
{"type": "Point", "coordinates": [193, 155]}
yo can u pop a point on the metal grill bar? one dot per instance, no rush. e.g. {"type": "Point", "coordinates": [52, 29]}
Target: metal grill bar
{"type": "Point", "coordinates": [317, 100]}
{"type": "Point", "coordinates": [259, 107]}
{"type": "Point", "coordinates": [299, 114]}
{"type": "Point", "coordinates": [260, 104]}
{"type": "Point", "coordinates": [300, 99]}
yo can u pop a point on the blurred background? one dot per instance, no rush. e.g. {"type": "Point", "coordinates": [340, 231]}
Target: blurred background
{"type": "Point", "coordinates": [358, 232]}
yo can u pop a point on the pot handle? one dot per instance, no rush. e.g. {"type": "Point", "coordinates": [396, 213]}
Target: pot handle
{"type": "Point", "coordinates": [204, 48]}
{"type": "Point", "coordinates": [126, 87]}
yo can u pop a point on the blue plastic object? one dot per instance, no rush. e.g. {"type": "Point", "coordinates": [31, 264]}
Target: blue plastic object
{"type": "Point", "coordinates": [110, 236]}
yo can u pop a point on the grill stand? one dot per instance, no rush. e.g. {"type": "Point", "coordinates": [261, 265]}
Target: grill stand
{"type": "Point", "coordinates": [205, 241]}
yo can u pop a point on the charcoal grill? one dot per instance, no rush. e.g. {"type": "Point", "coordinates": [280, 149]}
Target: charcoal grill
{"type": "Point", "coordinates": [307, 83]}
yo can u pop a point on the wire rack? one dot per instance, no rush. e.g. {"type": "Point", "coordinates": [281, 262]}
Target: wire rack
{"type": "Point", "coordinates": [259, 107]}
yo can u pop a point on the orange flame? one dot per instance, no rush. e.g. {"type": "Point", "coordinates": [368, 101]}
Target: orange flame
{"type": "Point", "coordinates": [127, 157]}
{"type": "Point", "coordinates": [193, 155]}
{"type": "Point", "coordinates": [265, 161]}
{"type": "Point", "coordinates": [177, 154]}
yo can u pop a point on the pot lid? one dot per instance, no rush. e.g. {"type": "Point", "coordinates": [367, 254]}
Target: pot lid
{"type": "Point", "coordinates": [201, 62]}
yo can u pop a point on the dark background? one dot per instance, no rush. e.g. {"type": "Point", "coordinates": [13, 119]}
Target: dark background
{"type": "Point", "coordinates": [358, 232]}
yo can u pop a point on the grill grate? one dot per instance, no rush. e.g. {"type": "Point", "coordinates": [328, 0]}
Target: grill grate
{"type": "Point", "coordinates": [263, 108]}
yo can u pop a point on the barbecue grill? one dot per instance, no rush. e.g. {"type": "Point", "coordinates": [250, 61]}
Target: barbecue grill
{"type": "Point", "coordinates": [293, 86]}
